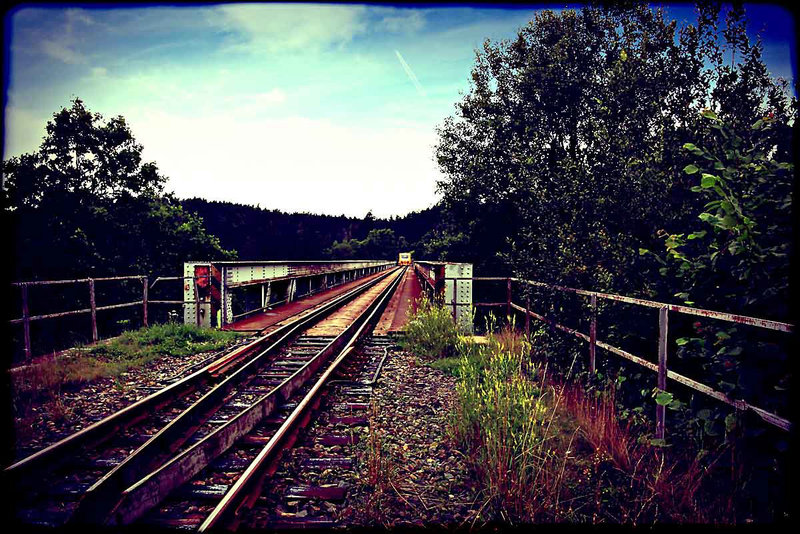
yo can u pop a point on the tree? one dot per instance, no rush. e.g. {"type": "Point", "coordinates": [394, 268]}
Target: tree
{"type": "Point", "coordinates": [565, 157]}
{"type": "Point", "coordinates": [86, 204]}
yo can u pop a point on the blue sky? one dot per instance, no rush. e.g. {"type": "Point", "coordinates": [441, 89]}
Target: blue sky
{"type": "Point", "coordinates": [322, 108]}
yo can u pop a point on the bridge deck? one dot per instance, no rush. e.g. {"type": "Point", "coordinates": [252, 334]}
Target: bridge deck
{"type": "Point", "coordinates": [271, 318]}
{"type": "Point", "coordinates": [400, 306]}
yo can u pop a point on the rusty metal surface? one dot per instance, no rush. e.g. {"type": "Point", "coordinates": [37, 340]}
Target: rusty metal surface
{"type": "Point", "coordinates": [731, 317]}
{"type": "Point", "coordinates": [401, 305]}
{"type": "Point", "coordinates": [338, 320]}
{"type": "Point", "coordinates": [76, 281]}
{"type": "Point", "coordinates": [244, 491]}
{"type": "Point", "coordinates": [150, 490]}
{"type": "Point", "coordinates": [281, 313]}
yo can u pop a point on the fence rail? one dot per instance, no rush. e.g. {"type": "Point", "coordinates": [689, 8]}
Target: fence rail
{"type": "Point", "coordinates": [663, 322]}
{"type": "Point", "coordinates": [93, 308]}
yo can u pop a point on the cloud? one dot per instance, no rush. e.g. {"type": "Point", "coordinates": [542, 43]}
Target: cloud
{"type": "Point", "coordinates": [410, 73]}
{"type": "Point", "coordinates": [62, 46]}
{"type": "Point", "coordinates": [406, 22]}
{"type": "Point", "coordinates": [272, 28]}
{"type": "Point", "coordinates": [62, 50]}
{"type": "Point", "coordinates": [292, 164]}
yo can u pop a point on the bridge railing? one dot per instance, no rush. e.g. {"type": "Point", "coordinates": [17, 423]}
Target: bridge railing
{"type": "Point", "coordinates": [660, 368]}
{"type": "Point", "coordinates": [26, 319]}
{"type": "Point", "coordinates": [233, 285]}
{"type": "Point", "coordinates": [451, 284]}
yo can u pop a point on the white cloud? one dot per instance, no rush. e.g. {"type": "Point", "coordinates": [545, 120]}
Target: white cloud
{"type": "Point", "coordinates": [291, 164]}
{"type": "Point", "coordinates": [62, 50]}
{"type": "Point", "coordinates": [279, 27]}
{"type": "Point", "coordinates": [404, 22]}
{"type": "Point", "coordinates": [63, 43]}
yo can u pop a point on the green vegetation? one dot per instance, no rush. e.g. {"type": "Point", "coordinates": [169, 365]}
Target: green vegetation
{"type": "Point", "coordinates": [500, 420]}
{"type": "Point", "coordinates": [264, 234]}
{"type": "Point", "coordinates": [430, 332]}
{"type": "Point", "coordinates": [379, 244]}
{"type": "Point", "coordinates": [566, 156]}
{"type": "Point", "coordinates": [87, 198]}
{"type": "Point", "coordinates": [546, 448]}
{"type": "Point", "coordinates": [613, 149]}
{"type": "Point", "coordinates": [109, 359]}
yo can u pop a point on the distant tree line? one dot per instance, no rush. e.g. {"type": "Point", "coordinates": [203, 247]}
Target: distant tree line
{"type": "Point", "coordinates": [258, 233]}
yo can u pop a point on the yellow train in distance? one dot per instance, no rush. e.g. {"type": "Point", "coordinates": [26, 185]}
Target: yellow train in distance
{"type": "Point", "coordinates": [404, 258]}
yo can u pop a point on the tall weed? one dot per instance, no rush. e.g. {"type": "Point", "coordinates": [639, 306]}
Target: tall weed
{"type": "Point", "coordinates": [430, 332]}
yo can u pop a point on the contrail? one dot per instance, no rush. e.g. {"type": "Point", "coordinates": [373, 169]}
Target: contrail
{"type": "Point", "coordinates": [411, 75]}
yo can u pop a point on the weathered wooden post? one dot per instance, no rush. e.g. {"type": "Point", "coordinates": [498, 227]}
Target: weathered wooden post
{"type": "Point", "coordinates": [593, 334]}
{"type": "Point", "coordinates": [528, 317]}
{"type": "Point", "coordinates": [663, 319]}
{"type": "Point", "coordinates": [26, 322]}
{"type": "Point", "coordinates": [508, 299]}
{"type": "Point", "coordinates": [144, 300]}
{"type": "Point", "coordinates": [93, 306]}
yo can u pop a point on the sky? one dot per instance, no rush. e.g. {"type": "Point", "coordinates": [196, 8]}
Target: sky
{"type": "Point", "coordinates": [321, 108]}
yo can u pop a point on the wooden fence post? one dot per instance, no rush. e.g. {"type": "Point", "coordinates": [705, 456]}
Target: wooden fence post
{"type": "Point", "coordinates": [593, 334]}
{"type": "Point", "coordinates": [528, 317]}
{"type": "Point", "coordinates": [508, 299]}
{"type": "Point", "coordinates": [663, 320]}
{"type": "Point", "coordinates": [144, 300]}
{"type": "Point", "coordinates": [93, 306]}
{"type": "Point", "coordinates": [26, 322]}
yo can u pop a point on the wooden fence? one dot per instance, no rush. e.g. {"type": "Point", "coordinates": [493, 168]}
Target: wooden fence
{"type": "Point", "coordinates": [661, 369]}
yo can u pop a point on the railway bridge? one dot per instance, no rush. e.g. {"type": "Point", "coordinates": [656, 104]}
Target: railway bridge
{"type": "Point", "coordinates": [196, 451]}
{"type": "Point", "coordinates": [200, 450]}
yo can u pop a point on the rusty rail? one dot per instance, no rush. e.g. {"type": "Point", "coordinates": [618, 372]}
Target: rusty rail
{"type": "Point", "coordinates": [660, 368]}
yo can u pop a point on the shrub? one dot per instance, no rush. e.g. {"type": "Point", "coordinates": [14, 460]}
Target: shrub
{"type": "Point", "coordinates": [431, 332]}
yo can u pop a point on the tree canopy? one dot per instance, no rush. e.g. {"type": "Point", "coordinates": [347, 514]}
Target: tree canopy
{"type": "Point", "coordinates": [566, 156]}
{"type": "Point", "coordinates": [86, 204]}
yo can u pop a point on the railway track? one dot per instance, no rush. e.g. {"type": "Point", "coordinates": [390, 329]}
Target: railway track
{"type": "Point", "coordinates": [310, 488]}
{"type": "Point", "coordinates": [205, 436]}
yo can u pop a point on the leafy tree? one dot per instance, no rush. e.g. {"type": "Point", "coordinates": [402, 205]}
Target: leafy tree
{"type": "Point", "coordinates": [86, 204]}
{"type": "Point", "coordinates": [380, 243]}
{"type": "Point", "coordinates": [565, 157]}
{"type": "Point", "coordinates": [345, 250]}
{"type": "Point", "coordinates": [598, 133]}
{"type": "Point", "coordinates": [739, 259]}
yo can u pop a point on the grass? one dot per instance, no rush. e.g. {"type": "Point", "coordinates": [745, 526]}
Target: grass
{"type": "Point", "coordinates": [380, 469]}
{"type": "Point", "coordinates": [547, 449]}
{"type": "Point", "coordinates": [430, 332]}
{"type": "Point", "coordinates": [46, 378]}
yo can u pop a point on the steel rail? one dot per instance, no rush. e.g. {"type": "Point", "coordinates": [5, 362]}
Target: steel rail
{"type": "Point", "coordinates": [242, 493]}
{"type": "Point", "coordinates": [105, 428]}
{"type": "Point", "coordinates": [101, 497]}
{"type": "Point", "coordinates": [156, 486]}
